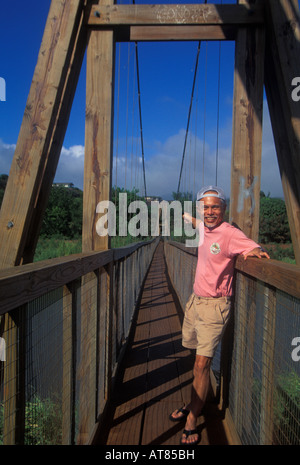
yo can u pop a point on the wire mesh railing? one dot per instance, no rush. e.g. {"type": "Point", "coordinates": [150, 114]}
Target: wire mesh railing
{"type": "Point", "coordinates": [259, 362]}
{"type": "Point", "coordinates": [264, 394]}
{"type": "Point", "coordinates": [60, 350]}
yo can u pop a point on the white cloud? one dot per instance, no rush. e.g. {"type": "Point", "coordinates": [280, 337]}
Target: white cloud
{"type": "Point", "coordinates": [163, 167]}
{"type": "Point", "coordinates": [71, 165]}
{"type": "Point", "coordinates": [270, 175]}
{"type": "Point", "coordinates": [163, 170]}
{"type": "Point", "coordinates": [76, 151]}
{"type": "Point", "coordinates": [6, 156]}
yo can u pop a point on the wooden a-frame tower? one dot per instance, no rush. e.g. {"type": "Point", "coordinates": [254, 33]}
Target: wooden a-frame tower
{"type": "Point", "coordinates": [267, 35]}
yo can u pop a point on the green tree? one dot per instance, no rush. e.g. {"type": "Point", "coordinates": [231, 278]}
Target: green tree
{"type": "Point", "coordinates": [273, 221]}
{"type": "Point", "coordinates": [63, 215]}
{"type": "Point", "coordinates": [3, 182]}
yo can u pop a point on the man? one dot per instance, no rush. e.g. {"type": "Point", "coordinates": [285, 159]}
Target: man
{"type": "Point", "coordinates": [208, 309]}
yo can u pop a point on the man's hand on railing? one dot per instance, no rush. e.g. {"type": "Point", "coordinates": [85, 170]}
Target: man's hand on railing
{"type": "Point", "coordinates": [257, 252]}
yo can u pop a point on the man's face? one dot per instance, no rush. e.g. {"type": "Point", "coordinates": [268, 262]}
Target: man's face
{"type": "Point", "coordinates": [213, 211]}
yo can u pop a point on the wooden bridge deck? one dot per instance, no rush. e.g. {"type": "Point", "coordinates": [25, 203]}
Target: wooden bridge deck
{"type": "Point", "coordinates": [156, 374]}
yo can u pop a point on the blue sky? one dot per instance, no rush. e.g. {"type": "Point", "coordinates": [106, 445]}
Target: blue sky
{"type": "Point", "coordinates": [166, 77]}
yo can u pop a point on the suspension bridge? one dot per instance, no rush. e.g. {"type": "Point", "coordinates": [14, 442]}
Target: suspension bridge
{"type": "Point", "coordinates": [91, 343]}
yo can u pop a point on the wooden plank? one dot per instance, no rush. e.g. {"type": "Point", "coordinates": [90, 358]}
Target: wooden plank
{"type": "Point", "coordinates": [98, 135]}
{"type": "Point", "coordinates": [127, 403]}
{"type": "Point", "coordinates": [109, 15]}
{"type": "Point", "coordinates": [14, 378]}
{"type": "Point", "coordinates": [247, 131]}
{"type": "Point", "coordinates": [268, 368]}
{"type": "Point", "coordinates": [41, 135]}
{"type": "Point", "coordinates": [282, 65]}
{"type": "Point", "coordinates": [161, 33]}
{"type": "Point", "coordinates": [148, 390]}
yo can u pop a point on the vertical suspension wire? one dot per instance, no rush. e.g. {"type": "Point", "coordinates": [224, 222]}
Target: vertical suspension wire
{"type": "Point", "coordinates": [218, 114]}
{"type": "Point", "coordinates": [118, 118]}
{"type": "Point", "coordinates": [195, 142]}
{"type": "Point", "coordinates": [204, 118]}
{"type": "Point", "coordinates": [190, 159]}
{"type": "Point", "coordinates": [127, 110]}
{"type": "Point", "coordinates": [218, 111]}
{"type": "Point", "coordinates": [132, 130]}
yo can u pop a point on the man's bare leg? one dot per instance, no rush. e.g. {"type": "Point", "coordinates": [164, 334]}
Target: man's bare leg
{"type": "Point", "coordinates": [198, 396]}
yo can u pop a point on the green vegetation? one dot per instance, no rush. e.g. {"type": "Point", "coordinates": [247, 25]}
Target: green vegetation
{"type": "Point", "coordinates": [43, 422]}
{"type": "Point", "coordinates": [63, 216]}
{"type": "Point", "coordinates": [50, 247]}
{"type": "Point", "coordinates": [273, 221]}
{"type": "Point", "coordinates": [62, 223]}
{"type": "Point", "coordinates": [274, 230]}
{"type": "Point", "coordinates": [286, 409]}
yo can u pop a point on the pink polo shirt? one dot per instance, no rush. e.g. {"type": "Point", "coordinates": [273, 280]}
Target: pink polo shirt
{"type": "Point", "coordinates": [215, 266]}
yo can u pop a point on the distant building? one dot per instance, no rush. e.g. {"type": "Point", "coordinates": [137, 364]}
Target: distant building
{"type": "Point", "coordinates": [63, 184]}
{"type": "Point", "coordinates": [152, 198]}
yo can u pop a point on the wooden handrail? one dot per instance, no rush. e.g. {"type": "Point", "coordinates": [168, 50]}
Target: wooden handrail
{"type": "Point", "coordinates": [20, 284]}
{"type": "Point", "coordinates": [283, 276]}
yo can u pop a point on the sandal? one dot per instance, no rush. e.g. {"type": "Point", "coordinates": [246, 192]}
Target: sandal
{"type": "Point", "coordinates": [189, 432]}
{"type": "Point", "coordinates": [181, 410]}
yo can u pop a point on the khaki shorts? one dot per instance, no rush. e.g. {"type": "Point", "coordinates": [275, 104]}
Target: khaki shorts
{"type": "Point", "coordinates": [204, 322]}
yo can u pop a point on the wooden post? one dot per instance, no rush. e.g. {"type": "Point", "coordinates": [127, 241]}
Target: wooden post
{"type": "Point", "coordinates": [41, 136]}
{"type": "Point", "coordinates": [97, 187]}
{"type": "Point", "coordinates": [247, 130]}
{"type": "Point", "coordinates": [14, 378]}
{"type": "Point", "coordinates": [268, 367]}
{"type": "Point", "coordinates": [98, 135]}
{"type": "Point", "coordinates": [70, 303]}
{"type": "Point", "coordinates": [282, 66]}
{"type": "Point", "coordinates": [88, 357]}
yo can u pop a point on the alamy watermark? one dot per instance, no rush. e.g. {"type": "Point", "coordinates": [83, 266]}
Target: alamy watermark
{"type": "Point", "coordinates": [296, 352]}
{"type": "Point", "coordinates": [296, 91]}
{"type": "Point", "coordinates": [137, 219]}
{"type": "Point", "coordinates": [2, 90]}
{"type": "Point", "coordinates": [2, 350]}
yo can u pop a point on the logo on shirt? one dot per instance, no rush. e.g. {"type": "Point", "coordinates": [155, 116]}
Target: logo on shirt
{"type": "Point", "coordinates": [215, 248]}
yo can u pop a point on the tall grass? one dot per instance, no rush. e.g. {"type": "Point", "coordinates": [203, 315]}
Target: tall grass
{"type": "Point", "coordinates": [56, 247]}
{"type": "Point", "coordinates": [51, 247]}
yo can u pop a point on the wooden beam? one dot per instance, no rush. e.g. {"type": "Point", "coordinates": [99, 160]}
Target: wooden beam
{"type": "Point", "coordinates": [97, 188]}
{"type": "Point", "coordinates": [112, 15]}
{"type": "Point", "coordinates": [247, 131]}
{"type": "Point", "coordinates": [98, 135]}
{"type": "Point", "coordinates": [282, 65]}
{"type": "Point", "coordinates": [42, 131]}
{"type": "Point", "coordinates": [161, 33]}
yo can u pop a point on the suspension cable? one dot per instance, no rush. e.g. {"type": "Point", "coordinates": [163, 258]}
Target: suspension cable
{"type": "Point", "coordinates": [140, 111]}
{"type": "Point", "coordinates": [218, 115]}
{"type": "Point", "coordinates": [204, 118]}
{"type": "Point", "coordinates": [189, 115]}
